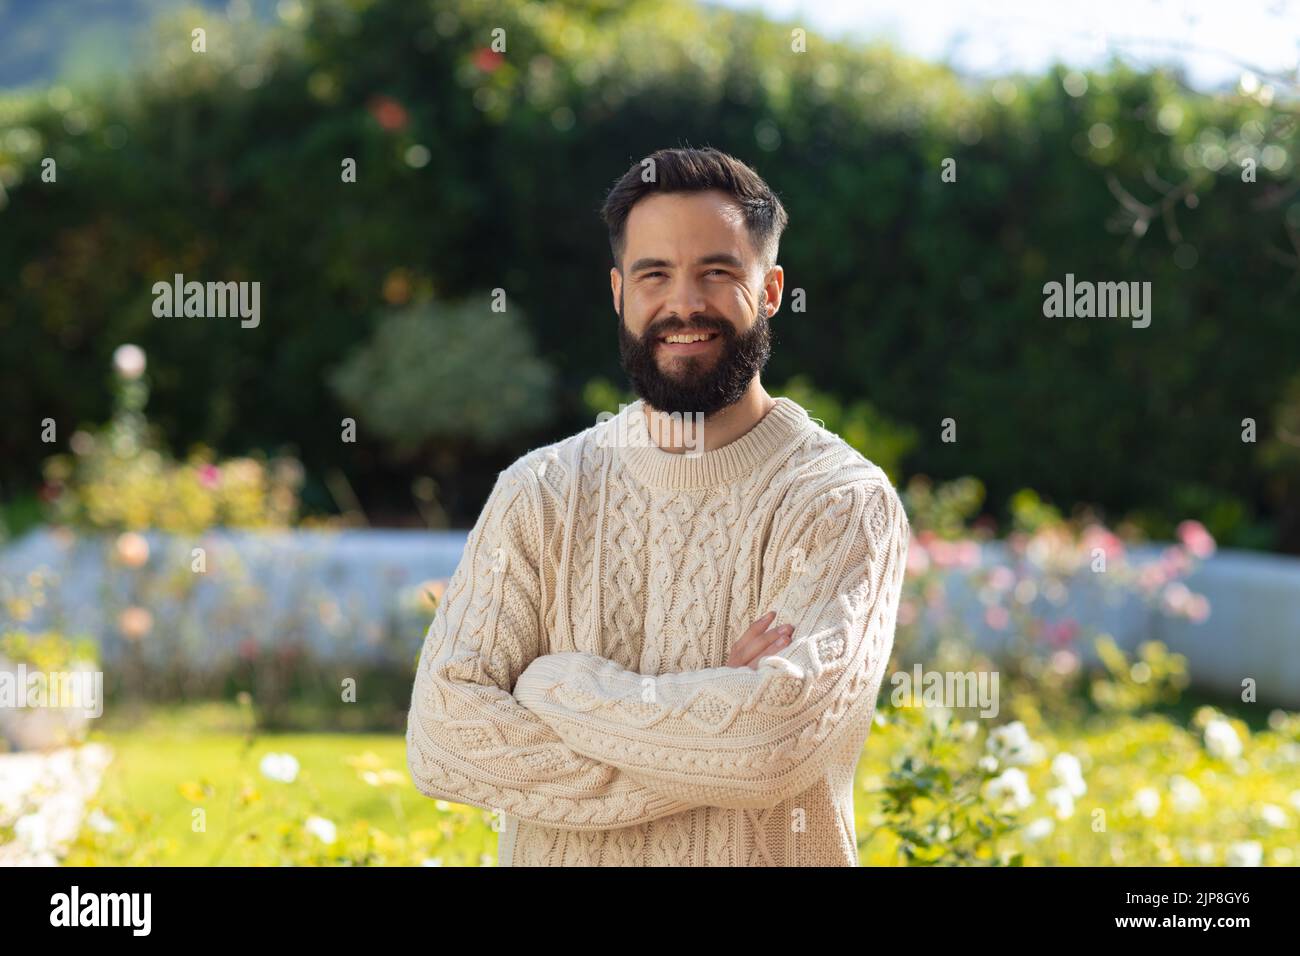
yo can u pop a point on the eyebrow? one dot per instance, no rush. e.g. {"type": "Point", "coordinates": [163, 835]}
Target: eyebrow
{"type": "Point", "coordinates": [712, 259]}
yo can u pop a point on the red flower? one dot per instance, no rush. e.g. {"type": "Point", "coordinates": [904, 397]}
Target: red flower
{"type": "Point", "coordinates": [487, 60]}
{"type": "Point", "coordinates": [389, 113]}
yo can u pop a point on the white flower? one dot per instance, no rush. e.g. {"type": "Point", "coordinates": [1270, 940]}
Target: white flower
{"type": "Point", "coordinates": [1011, 744]}
{"type": "Point", "coordinates": [1061, 800]}
{"type": "Point", "coordinates": [129, 361]}
{"type": "Point", "coordinates": [98, 821]}
{"type": "Point", "coordinates": [967, 729]}
{"type": "Point", "coordinates": [1012, 786]}
{"type": "Point", "coordinates": [1274, 815]}
{"type": "Point", "coordinates": [431, 861]}
{"type": "Point", "coordinates": [282, 767]}
{"type": "Point", "coordinates": [1148, 801]}
{"type": "Point", "coordinates": [31, 830]}
{"type": "Point", "coordinates": [1295, 799]}
{"type": "Point", "coordinates": [1040, 828]}
{"type": "Point", "coordinates": [1245, 853]}
{"type": "Point", "coordinates": [988, 763]}
{"type": "Point", "coordinates": [938, 716]}
{"type": "Point", "coordinates": [324, 830]}
{"type": "Point", "coordinates": [1221, 740]}
{"type": "Point", "coordinates": [1186, 796]}
{"type": "Point", "coordinates": [1069, 773]}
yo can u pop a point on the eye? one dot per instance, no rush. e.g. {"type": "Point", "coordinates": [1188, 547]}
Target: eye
{"type": "Point", "coordinates": [721, 272]}
{"type": "Point", "coordinates": [647, 275]}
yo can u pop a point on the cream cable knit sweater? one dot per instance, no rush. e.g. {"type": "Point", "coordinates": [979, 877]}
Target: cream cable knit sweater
{"type": "Point", "coordinates": [573, 680]}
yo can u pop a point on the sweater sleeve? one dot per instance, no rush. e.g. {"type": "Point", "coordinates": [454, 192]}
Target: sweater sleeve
{"type": "Point", "coordinates": [467, 739]}
{"type": "Point", "coordinates": [739, 737]}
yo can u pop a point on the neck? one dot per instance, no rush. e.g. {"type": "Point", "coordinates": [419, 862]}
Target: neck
{"type": "Point", "coordinates": [686, 432]}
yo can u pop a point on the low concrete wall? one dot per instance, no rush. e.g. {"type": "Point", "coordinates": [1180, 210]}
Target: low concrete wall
{"type": "Point", "coordinates": [1253, 629]}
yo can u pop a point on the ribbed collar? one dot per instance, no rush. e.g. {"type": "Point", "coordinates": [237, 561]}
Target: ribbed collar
{"type": "Point", "coordinates": [784, 423]}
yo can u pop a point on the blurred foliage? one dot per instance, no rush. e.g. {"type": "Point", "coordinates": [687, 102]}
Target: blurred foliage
{"type": "Point", "coordinates": [1155, 679]}
{"type": "Point", "coordinates": [116, 479]}
{"type": "Point", "coordinates": [483, 170]}
{"type": "Point", "coordinates": [47, 651]}
{"type": "Point", "coordinates": [875, 437]}
{"type": "Point", "coordinates": [944, 510]}
{"type": "Point", "coordinates": [447, 372]}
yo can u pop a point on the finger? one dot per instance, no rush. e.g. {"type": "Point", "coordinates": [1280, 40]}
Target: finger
{"type": "Point", "coordinates": [774, 648]}
{"type": "Point", "coordinates": [769, 643]}
{"type": "Point", "coordinates": [759, 626]}
{"type": "Point", "coordinates": [749, 641]}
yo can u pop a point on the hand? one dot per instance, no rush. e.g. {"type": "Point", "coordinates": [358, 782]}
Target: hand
{"type": "Point", "coordinates": [758, 642]}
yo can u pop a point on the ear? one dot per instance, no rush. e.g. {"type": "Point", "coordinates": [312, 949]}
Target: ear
{"type": "Point", "coordinates": [773, 284]}
{"type": "Point", "coordinates": [615, 285]}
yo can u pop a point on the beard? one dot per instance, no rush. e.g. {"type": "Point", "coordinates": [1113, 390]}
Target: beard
{"type": "Point", "coordinates": [700, 384]}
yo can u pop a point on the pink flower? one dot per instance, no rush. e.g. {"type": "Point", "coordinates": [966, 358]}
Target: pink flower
{"type": "Point", "coordinates": [389, 113]}
{"type": "Point", "coordinates": [906, 613]}
{"type": "Point", "coordinates": [918, 559]}
{"type": "Point", "coordinates": [209, 476]}
{"type": "Point", "coordinates": [968, 554]}
{"type": "Point", "coordinates": [997, 618]}
{"type": "Point", "coordinates": [1065, 661]}
{"type": "Point", "coordinates": [1196, 539]}
{"type": "Point", "coordinates": [954, 554]}
{"type": "Point", "coordinates": [1002, 578]}
{"type": "Point", "coordinates": [1151, 578]}
{"type": "Point", "coordinates": [1063, 632]}
{"type": "Point", "coordinates": [487, 60]}
{"type": "Point", "coordinates": [1096, 536]}
{"type": "Point", "coordinates": [1176, 597]}
{"type": "Point", "coordinates": [1198, 608]}
{"type": "Point", "coordinates": [1174, 562]}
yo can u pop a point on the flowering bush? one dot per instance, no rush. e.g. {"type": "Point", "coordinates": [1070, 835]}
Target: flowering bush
{"type": "Point", "coordinates": [1122, 789]}
{"type": "Point", "coordinates": [47, 651]}
{"type": "Point", "coordinates": [117, 479]}
{"type": "Point", "coordinates": [1023, 587]}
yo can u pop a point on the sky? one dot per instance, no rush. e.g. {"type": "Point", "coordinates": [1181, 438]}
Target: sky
{"type": "Point", "coordinates": [1214, 42]}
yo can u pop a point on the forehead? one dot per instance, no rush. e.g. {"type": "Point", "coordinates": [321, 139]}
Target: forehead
{"type": "Point", "coordinates": [687, 220]}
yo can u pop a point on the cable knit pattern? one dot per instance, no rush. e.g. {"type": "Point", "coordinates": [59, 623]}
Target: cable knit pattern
{"type": "Point", "coordinates": [573, 676]}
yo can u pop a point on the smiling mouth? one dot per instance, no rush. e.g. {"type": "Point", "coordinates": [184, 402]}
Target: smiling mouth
{"type": "Point", "coordinates": [687, 338]}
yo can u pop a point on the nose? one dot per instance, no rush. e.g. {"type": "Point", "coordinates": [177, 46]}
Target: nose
{"type": "Point", "coordinates": [685, 298]}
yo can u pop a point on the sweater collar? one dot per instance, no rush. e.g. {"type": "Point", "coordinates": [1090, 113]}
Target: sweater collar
{"type": "Point", "coordinates": [784, 423]}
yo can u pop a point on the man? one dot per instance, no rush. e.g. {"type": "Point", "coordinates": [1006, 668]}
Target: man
{"type": "Point", "coordinates": [669, 653]}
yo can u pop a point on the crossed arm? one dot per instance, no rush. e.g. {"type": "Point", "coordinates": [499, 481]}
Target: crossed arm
{"type": "Point", "coordinates": [584, 743]}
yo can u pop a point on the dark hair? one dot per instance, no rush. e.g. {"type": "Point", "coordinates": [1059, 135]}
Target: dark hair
{"type": "Point", "coordinates": [695, 170]}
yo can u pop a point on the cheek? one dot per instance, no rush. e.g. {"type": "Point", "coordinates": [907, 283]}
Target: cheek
{"type": "Point", "coordinates": [640, 306]}
{"type": "Point", "coordinates": [733, 302]}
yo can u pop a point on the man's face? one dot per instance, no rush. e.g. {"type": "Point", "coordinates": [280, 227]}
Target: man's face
{"type": "Point", "coordinates": [690, 270]}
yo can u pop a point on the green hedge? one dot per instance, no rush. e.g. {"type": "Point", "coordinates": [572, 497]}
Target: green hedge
{"type": "Point", "coordinates": [924, 297]}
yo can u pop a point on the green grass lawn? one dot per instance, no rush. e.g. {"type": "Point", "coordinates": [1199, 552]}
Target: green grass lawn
{"type": "Point", "coordinates": [175, 762]}
{"type": "Point", "coordinates": [186, 788]}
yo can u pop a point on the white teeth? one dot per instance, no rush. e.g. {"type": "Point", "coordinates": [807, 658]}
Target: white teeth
{"type": "Point", "coordinates": [695, 337]}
